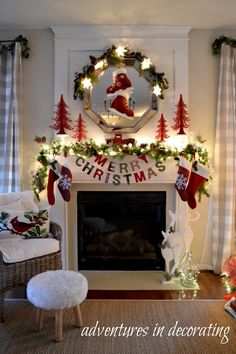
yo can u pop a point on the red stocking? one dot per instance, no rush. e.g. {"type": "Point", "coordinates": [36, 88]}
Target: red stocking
{"type": "Point", "coordinates": [182, 177]}
{"type": "Point", "coordinates": [198, 176]}
{"type": "Point", "coordinates": [65, 183]}
{"type": "Point", "coordinates": [52, 177]}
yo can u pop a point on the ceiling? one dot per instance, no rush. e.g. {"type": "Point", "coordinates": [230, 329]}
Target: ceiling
{"type": "Point", "coordinates": [41, 14]}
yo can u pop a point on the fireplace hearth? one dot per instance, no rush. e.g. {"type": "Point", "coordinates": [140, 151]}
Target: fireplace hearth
{"type": "Point", "coordinates": [120, 230]}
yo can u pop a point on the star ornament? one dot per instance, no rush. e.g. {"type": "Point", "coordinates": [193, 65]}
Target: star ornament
{"type": "Point", "coordinates": [156, 90]}
{"type": "Point", "coordinates": [86, 83]}
{"type": "Point", "coordinates": [101, 64]}
{"type": "Point", "coordinates": [146, 63]}
{"type": "Point", "coordinates": [120, 51]}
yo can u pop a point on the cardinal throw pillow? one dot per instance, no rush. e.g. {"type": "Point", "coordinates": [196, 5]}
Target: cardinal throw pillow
{"type": "Point", "coordinates": [29, 224]}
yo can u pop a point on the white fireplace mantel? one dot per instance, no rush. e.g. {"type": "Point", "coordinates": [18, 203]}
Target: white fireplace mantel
{"type": "Point", "coordinates": [168, 49]}
{"type": "Point", "coordinates": [66, 213]}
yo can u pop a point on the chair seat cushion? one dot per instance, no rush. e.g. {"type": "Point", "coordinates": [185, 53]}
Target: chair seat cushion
{"type": "Point", "coordinates": [18, 249]}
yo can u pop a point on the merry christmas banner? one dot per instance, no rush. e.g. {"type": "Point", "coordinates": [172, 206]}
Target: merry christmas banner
{"type": "Point", "coordinates": [126, 170]}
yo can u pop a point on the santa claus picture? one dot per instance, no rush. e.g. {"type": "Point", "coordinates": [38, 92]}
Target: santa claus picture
{"type": "Point", "coordinates": [120, 92]}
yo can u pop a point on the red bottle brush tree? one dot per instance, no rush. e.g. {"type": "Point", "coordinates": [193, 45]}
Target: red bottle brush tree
{"type": "Point", "coordinates": [80, 129]}
{"type": "Point", "coordinates": [161, 132]}
{"type": "Point", "coordinates": [62, 119]}
{"type": "Point", "coordinates": [181, 119]}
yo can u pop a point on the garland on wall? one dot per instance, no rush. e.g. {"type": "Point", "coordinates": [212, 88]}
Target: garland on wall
{"type": "Point", "coordinates": [10, 45]}
{"type": "Point", "coordinates": [216, 45]}
{"type": "Point", "coordinates": [115, 56]}
{"type": "Point", "coordinates": [158, 151]}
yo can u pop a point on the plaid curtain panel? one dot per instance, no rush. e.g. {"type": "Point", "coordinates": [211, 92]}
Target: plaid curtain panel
{"type": "Point", "coordinates": [10, 111]}
{"type": "Point", "coordinates": [220, 240]}
{"type": "Point", "coordinates": [224, 184]}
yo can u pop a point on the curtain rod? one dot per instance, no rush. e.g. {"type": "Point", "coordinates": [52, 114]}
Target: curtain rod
{"type": "Point", "coordinates": [9, 40]}
{"type": "Point", "coordinates": [25, 49]}
{"type": "Point", "coordinates": [216, 45]}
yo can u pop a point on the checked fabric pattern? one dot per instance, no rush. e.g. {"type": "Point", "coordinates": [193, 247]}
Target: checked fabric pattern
{"type": "Point", "coordinates": [10, 112]}
{"type": "Point", "coordinates": [221, 228]}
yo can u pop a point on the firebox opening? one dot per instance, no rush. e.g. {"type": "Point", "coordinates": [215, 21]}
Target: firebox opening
{"type": "Point", "coordinates": [120, 230]}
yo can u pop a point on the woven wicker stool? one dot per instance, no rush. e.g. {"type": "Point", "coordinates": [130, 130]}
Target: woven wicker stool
{"type": "Point", "coordinates": [57, 290]}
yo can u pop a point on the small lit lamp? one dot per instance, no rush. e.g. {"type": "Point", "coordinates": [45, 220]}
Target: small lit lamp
{"type": "Point", "coordinates": [180, 141]}
{"type": "Point", "coordinates": [61, 133]}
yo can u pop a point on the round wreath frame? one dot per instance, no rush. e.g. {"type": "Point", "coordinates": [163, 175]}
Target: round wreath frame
{"type": "Point", "coordinates": [110, 57]}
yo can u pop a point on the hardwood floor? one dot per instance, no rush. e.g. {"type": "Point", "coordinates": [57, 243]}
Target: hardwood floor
{"type": "Point", "coordinates": [210, 285]}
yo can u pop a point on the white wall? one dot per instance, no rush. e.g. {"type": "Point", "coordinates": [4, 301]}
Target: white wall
{"type": "Point", "coordinates": [39, 102]}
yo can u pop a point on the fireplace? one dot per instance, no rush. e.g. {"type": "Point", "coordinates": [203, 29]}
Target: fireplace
{"type": "Point", "coordinates": [71, 216]}
{"type": "Point", "coordinates": [120, 230]}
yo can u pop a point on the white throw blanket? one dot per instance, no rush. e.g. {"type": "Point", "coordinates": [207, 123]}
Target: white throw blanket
{"type": "Point", "coordinates": [17, 249]}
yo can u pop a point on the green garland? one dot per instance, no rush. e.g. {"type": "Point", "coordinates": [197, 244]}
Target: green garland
{"type": "Point", "coordinates": [112, 58]}
{"type": "Point", "coordinates": [216, 45]}
{"type": "Point", "coordinates": [25, 49]}
{"type": "Point", "coordinates": [157, 150]}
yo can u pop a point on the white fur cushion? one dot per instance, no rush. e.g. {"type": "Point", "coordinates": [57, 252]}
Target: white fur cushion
{"type": "Point", "coordinates": [56, 290]}
{"type": "Point", "coordinates": [18, 249]}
